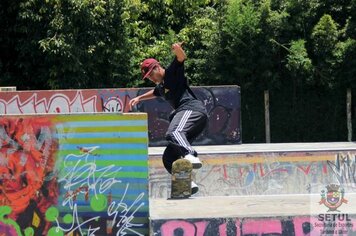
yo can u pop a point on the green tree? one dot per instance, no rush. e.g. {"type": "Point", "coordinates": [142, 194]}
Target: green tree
{"type": "Point", "coordinates": [203, 46]}
{"type": "Point", "coordinates": [346, 68]}
{"type": "Point", "coordinates": [154, 25]}
{"type": "Point", "coordinates": [298, 62]}
{"type": "Point", "coordinates": [240, 30]}
{"type": "Point", "coordinates": [71, 44]}
{"type": "Point", "coordinates": [301, 50]}
{"type": "Point", "coordinates": [325, 37]}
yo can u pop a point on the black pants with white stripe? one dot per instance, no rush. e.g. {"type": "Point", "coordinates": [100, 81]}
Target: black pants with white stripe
{"type": "Point", "coordinates": [184, 128]}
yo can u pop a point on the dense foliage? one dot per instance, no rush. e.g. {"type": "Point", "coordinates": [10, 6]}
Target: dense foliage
{"type": "Point", "coordinates": [302, 51]}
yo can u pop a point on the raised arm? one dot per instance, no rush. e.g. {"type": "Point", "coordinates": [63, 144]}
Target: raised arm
{"type": "Point", "coordinates": [179, 52]}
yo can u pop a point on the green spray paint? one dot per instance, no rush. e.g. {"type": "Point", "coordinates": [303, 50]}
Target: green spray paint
{"type": "Point", "coordinates": [29, 231]}
{"type": "Point", "coordinates": [68, 218]}
{"type": "Point", "coordinates": [55, 231]}
{"type": "Point", "coordinates": [52, 214]}
{"type": "Point", "coordinates": [4, 211]}
{"type": "Point", "coordinates": [98, 202]}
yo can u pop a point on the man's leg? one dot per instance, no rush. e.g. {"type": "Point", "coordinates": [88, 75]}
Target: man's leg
{"type": "Point", "coordinates": [170, 155]}
{"type": "Point", "coordinates": [186, 125]}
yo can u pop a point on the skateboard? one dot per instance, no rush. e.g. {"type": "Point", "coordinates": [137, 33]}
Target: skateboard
{"type": "Point", "coordinates": [181, 179]}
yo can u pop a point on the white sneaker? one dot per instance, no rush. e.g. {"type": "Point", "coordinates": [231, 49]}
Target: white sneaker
{"type": "Point", "coordinates": [194, 160]}
{"type": "Point", "coordinates": [195, 188]}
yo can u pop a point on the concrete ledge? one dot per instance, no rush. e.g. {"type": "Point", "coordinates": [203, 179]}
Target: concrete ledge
{"type": "Point", "coordinates": [264, 147]}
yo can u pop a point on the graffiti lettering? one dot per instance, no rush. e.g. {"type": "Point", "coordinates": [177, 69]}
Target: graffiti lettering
{"type": "Point", "coordinates": [285, 174]}
{"type": "Point", "coordinates": [83, 173]}
{"type": "Point", "coordinates": [344, 169]}
{"type": "Point", "coordinates": [222, 103]}
{"type": "Point", "coordinates": [57, 103]}
{"type": "Point", "coordinates": [125, 213]}
{"type": "Point", "coordinates": [250, 226]}
{"type": "Point", "coordinates": [113, 104]}
{"type": "Point", "coordinates": [77, 225]}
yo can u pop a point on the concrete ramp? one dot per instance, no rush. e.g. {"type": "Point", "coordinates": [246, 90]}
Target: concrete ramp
{"type": "Point", "coordinates": [261, 189]}
{"type": "Point", "coordinates": [264, 169]}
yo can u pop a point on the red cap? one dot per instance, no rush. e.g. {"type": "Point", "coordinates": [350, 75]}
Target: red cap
{"type": "Point", "coordinates": [147, 66]}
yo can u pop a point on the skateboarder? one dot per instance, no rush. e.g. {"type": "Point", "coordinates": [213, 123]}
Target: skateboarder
{"type": "Point", "coordinates": [189, 116]}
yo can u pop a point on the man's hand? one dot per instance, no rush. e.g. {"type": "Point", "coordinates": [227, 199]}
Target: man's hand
{"type": "Point", "coordinates": [146, 96]}
{"type": "Point", "coordinates": [178, 51]}
{"type": "Point", "coordinates": [134, 102]}
{"type": "Point", "coordinates": [176, 46]}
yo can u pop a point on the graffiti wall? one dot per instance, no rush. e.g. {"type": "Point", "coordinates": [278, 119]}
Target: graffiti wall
{"type": "Point", "coordinates": [222, 102]}
{"type": "Point", "coordinates": [263, 173]}
{"type": "Point", "coordinates": [341, 224]}
{"type": "Point", "coordinates": [75, 174]}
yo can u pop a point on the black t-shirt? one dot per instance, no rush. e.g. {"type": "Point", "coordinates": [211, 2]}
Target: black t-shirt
{"type": "Point", "coordinates": [176, 91]}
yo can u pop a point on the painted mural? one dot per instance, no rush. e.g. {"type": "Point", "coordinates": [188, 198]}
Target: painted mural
{"type": "Point", "coordinates": [264, 173]}
{"type": "Point", "coordinates": [222, 102]}
{"type": "Point", "coordinates": [342, 224]}
{"type": "Point", "coordinates": [76, 174]}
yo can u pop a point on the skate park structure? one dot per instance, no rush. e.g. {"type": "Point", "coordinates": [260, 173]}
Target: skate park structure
{"type": "Point", "coordinates": [259, 189]}
{"type": "Point", "coordinates": [110, 182]}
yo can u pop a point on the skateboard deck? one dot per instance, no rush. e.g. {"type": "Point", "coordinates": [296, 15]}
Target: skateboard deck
{"type": "Point", "coordinates": [181, 179]}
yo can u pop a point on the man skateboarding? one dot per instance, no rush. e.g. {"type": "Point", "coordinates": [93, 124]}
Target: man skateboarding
{"type": "Point", "coordinates": [189, 116]}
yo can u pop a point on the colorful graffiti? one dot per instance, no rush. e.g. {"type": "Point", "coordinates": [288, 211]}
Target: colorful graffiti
{"type": "Point", "coordinates": [344, 169]}
{"type": "Point", "coordinates": [27, 157]}
{"type": "Point", "coordinates": [222, 102]}
{"type": "Point", "coordinates": [47, 102]}
{"type": "Point", "coordinates": [264, 173]}
{"type": "Point", "coordinates": [284, 226]}
{"type": "Point", "coordinates": [74, 174]}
